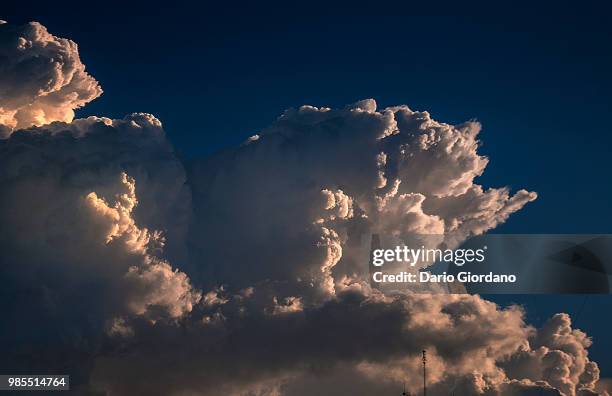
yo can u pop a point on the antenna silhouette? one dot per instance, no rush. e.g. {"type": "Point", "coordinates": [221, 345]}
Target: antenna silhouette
{"type": "Point", "coordinates": [424, 373]}
{"type": "Point", "coordinates": [404, 393]}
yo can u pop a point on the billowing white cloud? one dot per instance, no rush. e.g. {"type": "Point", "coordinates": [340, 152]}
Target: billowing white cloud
{"type": "Point", "coordinates": [78, 257]}
{"type": "Point", "coordinates": [153, 283]}
{"type": "Point", "coordinates": [318, 182]}
{"type": "Point", "coordinates": [559, 355]}
{"type": "Point", "coordinates": [245, 273]}
{"type": "Point", "coordinates": [42, 78]}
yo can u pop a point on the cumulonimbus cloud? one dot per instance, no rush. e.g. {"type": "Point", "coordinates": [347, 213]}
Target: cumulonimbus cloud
{"type": "Point", "coordinates": [242, 273]}
{"type": "Point", "coordinates": [42, 78]}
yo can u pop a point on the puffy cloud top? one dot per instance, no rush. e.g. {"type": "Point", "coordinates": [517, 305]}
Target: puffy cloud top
{"type": "Point", "coordinates": [42, 78]}
{"type": "Point", "coordinates": [330, 178]}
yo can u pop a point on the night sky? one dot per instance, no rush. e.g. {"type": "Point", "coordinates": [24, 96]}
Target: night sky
{"type": "Point", "coordinates": [539, 83]}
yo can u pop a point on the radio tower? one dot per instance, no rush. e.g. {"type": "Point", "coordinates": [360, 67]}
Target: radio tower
{"type": "Point", "coordinates": [424, 373]}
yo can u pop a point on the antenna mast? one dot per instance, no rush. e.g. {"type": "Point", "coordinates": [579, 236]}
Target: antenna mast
{"type": "Point", "coordinates": [424, 373]}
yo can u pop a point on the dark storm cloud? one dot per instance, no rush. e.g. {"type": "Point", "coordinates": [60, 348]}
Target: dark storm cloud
{"type": "Point", "coordinates": [245, 275]}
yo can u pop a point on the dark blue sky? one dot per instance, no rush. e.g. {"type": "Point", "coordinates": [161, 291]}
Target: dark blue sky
{"type": "Point", "coordinates": [539, 82]}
